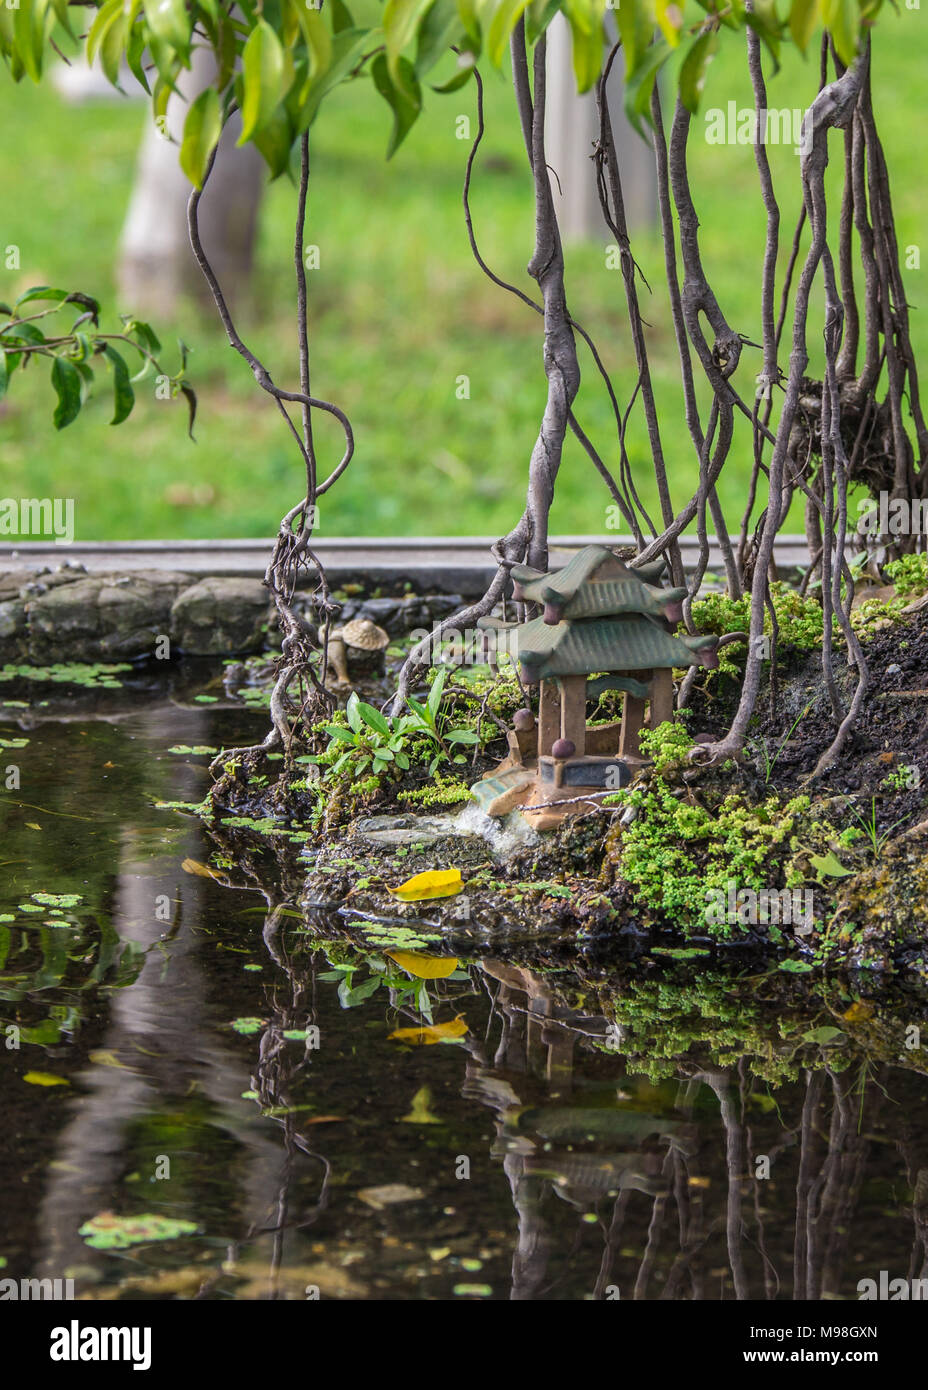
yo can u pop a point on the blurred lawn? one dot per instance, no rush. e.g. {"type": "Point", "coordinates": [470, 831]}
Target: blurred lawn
{"type": "Point", "coordinates": [398, 312]}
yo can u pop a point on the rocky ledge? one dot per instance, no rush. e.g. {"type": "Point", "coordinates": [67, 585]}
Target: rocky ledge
{"type": "Point", "coordinates": [67, 615]}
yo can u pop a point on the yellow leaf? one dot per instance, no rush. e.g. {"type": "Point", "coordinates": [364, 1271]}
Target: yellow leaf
{"type": "Point", "coordinates": [434, 1033]}
{"type": "Point", "coordinates": [191, 866]}
{"type": "Point", "coordinates": [44, 1078]}
{"type": "Point", "coordinates": [103, 1058]}
{"type": "Point", "coordinates": [419, 1113]}
{"type": "Point", "coordinates": [858, 1011]}
{"type": "Point", "coordinates": [31, 825]}
{"type": "Point", "coordinates": [422, 966]}
{"type": "Point", "coordinates": [434, 883]}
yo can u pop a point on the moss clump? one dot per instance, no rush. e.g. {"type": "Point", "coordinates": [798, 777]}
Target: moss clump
{"type": "Point", "coordinates": [799, 617]}
{"type": "Point", "coordinates": [909, 575]}
{"type": "Point", "coordinates": [441, 791]}
{"type": "Point", "coordinates": [678, 855]}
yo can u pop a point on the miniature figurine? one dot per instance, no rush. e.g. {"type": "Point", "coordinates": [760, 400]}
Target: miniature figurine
{"type": "Point", "coordinates": [357, 647]}
{"type": "Point", "coordinates": [598, 616]}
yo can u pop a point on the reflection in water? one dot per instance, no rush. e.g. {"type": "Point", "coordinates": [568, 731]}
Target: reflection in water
{"type": "Point", "coordinates": [625, 1134]}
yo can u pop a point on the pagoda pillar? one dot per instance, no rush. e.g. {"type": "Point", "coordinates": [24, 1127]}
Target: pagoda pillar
{"type": "Point", "coordinates": [573, 712]}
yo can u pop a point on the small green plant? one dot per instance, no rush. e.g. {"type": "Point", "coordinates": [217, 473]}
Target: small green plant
{"type": "Point", "coordinates": [764, 748]}
{"type": "Point", "coordinates": [427, 719]}
{"type": "Point", "coordinates": [868, 822]}
{"type": "Point", "coordinates": [372, 740]}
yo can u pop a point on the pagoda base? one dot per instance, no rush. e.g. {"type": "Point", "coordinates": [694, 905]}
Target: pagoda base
{"type": "Point", "coordinates": [547, 790]}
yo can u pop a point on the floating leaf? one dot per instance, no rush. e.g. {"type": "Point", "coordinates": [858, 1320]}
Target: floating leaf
{"type": "Point", "coordinates": [434, 1033]}
{"type": "Point", "coordinates": [104, 1058]}
{"type": "Point", "coordinates": [795, 967]}
{"type": "Point", "coordinates": [424, 967]}
{"type": "Point", "coordinates": [433, 883]}
{"type": "Point", "coordinates": [45, 1078]}
{"type": "Point", "coordinates": [247, 1026]}
{"type": "Point", "coordinates": [110, 1232]}
{"type": "Point", "coordinates": [193, 866]}
{"type": "Point", "coordinates": [389, 1194]}
{"type": "Point", "coordinates": [419, 1113]}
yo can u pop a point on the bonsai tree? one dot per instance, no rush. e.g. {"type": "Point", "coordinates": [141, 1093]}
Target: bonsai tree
{"type": "Point", "coordinates": [277, 62]}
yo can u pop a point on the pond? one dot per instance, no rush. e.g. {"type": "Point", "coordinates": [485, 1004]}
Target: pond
{"type": "Point", "coordinates": [211, 1091]}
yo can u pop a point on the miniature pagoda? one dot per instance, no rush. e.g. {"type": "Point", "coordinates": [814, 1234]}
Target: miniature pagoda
{"type": "Point", "coordinates": [599, 618]}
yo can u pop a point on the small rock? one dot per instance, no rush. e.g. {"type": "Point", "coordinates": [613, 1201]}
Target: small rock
{"type": "Point", "coordinates": [220, 616]}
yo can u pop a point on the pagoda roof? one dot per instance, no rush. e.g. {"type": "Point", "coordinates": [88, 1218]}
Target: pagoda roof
{"type": "Point", "coordinates": [604, 644]}
{"type": "Point", "coordinates": [573, 592]}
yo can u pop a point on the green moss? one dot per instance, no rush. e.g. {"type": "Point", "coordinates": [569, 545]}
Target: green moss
{"type": "Point", "coordinates": [441, 791]}
{"type": "Point", "coordinates": [799, 617]}
{"type": "Point", "coordinates": [909, 575]}
{"type": "Point", "coordinates": [678, 854]}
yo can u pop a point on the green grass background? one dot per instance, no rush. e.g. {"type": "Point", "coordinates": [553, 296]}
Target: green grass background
{"type": "Point", "coordinates": [399, 311]}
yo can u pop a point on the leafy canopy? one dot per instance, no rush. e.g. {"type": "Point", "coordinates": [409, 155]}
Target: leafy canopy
{"type": "Point", "coordinates": [276, 60]}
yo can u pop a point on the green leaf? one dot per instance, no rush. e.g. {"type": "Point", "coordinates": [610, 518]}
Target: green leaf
{"type": "Point", "coordinates": [440, 29]}
{"type": "Point", "coordinates": [123, 394]}
{"type": "Point", "coordinates": [113, 47]}
{"type": "Point", "coordinates": [825, 1036]}
{"type": "Point", "coordinates": [262, 70]}
{"type": "Point", "coordinates": [335, 731]}
{"type": "Point", "coordinates": [190, 396]}
{"type": "Point", "coordinates": [670, 20]}
{"type": "Point", "coordinates": [694, 69]}
{"type": "Point", "coordinates": [4, 373]}
{"type": "Point", "coordinates": [435, 694]}
{"type": "Point", "coordinates": [318, 39]}
{"type": "Point", "coordinates": [29, 28]}
{"type": "Point", "coordinates": [405, 100]}
{"type": "Point", "coordinates": [341, 16]}
{"type": "Point", "coordinates": [374, 720]}
{"type": "Point", "coordinates": [586, 27]}
{"type": "Point", "coordinates": [795, 967]}
{"type": "Point", "coordinates": [635, 31]}
{"type": "Point", "coordinates": [202, 130]}
{"type": "Point", "coordinates": [135, 50]}
{"type": "Point", "coordinates": [803, 18]}
{"type": "Point", "coordinates": [505, 17]}
{"type": "Point", "coordinates": [103, 19]}
{"type": "Point", "coordinates": [538, 16]}
{"type": "Point", "coordinates": [170, 22]}
{"type": "Point", "coordinates": [640, 84]}
{"type": "Point", "coordinates": [41, 292]}
{"type": "Point", "coordinates": [352, 713]}
{"type": "Point", "coordinates": [401, 19]}
{"type": "Point", "coordinates": [842, 19]}
{"type": "Point", "coordinates": [67, 383]}
{"type": "Point", "coordinates": [828, 866]}
{"type": "Point", "coordinates": [764, 21]}
{"type": "Point", "coordinates": [348, 48]}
